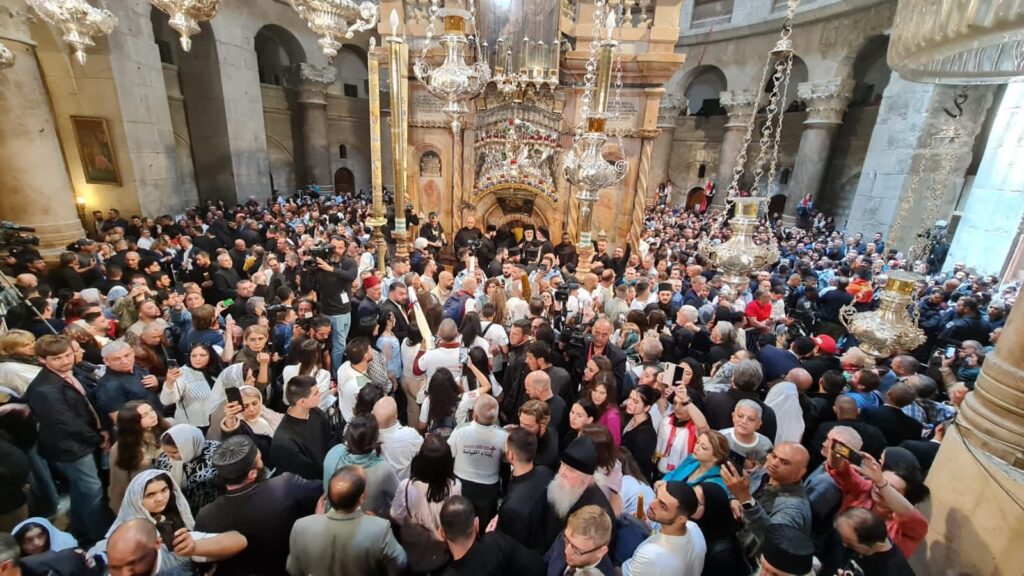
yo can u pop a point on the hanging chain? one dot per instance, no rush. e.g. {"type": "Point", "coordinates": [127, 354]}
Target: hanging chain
{"type": "Point", "coordinates": [778, 130]}
{"type": "Point", "coordinates": [433, 10]}
{"type": "Point", "coordinates": [741, 158]}
{"type": "Point", "coordinates": [590, 77]}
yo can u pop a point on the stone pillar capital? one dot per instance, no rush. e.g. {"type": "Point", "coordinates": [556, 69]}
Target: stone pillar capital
{"type": "Point", "coordinates": [740, 105]}
{"type": "Point", "coordinates": [668, 110]}
{"type": "Point", "coordinates": [826, 100]}
{"type": "Point", "coordinates": [311, 82]}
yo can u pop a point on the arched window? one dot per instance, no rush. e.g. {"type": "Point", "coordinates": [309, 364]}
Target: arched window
{"type": "Point", "coordinates": [702, 170]}
{"type": "Point", "coordinates": [342, 151]}
{"type": "Point", "coordinates": [784, 176]}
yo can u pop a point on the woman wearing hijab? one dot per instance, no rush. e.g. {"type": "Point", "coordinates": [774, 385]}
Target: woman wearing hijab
{"type": "Point", "coordinates": [38, 536]}
{"type": "Point", "coordinates": [154, 496]}
{"type": "Point", "coordinates": [187, 457]}
{"type": "Point", "coordinates": [189, 387]}
{"type": "Point", "coordinates": [714, 516]}
{"type": "Point", "coordinates": [252, 418]}
{"type": "Point", "coordinates": [784, 399]}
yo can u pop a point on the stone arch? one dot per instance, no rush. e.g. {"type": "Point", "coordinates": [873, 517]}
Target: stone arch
{"type": "Point", "coordinates": [282, 166]}
{"type": "Point", "coordinates": [490, 211]}
{"type": "Point", "coordinates": [871, 72]}
{"type": "Point", "coordinates": [694, 198]}
{"type": "Point", "coordinates": [352, 66]}
{"type": "Point", "coordinates": [703, 89]}
{"type": "Point", "coordinates": [277, 49]}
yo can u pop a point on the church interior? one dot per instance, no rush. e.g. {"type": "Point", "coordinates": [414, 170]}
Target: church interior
{"type": "Point", "coordinates": [571, 116]}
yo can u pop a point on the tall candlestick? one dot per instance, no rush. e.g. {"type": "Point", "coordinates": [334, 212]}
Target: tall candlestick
{"type": "Point", "coordinates": [398, 55]}
{"type": "Point", "coordinates": [377, 220]}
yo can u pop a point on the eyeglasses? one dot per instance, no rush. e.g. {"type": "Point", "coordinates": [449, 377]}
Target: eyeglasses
{"type": "Point", "coordinates": [576, 549]}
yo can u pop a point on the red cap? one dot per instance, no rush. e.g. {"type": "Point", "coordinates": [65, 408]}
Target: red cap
{"type": "Point", "coordinates": [825, 343]}
{"type": "Point", "coordinates": [370, 282]}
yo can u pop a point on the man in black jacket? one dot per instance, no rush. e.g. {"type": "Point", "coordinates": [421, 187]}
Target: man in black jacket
{"type": "Point", "coordinates": [333, 284]}
{"type": "Point", "coordinates": [69, 434]}
{"type": "Point", "coordinates": [398, 298]}
{"type": "Point", "coordinates": [263, 511]}
{"type": "Point", "coordinates": [66, 274]}
{"type": "Point", "coordinates": [304, 435]}
{"type": "Point", "coordinates": [523, 511]}
{"type": "Point", "coordinates": [600, 345]}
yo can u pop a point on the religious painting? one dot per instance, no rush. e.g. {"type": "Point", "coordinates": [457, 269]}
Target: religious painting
{"type": "Point", "coordinates": [516, 205]}
{"type": "Point", "coordinates": [430, 194]}
{"type": "Point", "coordinates": [96, 150]}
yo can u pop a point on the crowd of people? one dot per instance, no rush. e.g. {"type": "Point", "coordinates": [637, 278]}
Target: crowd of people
{"type": "Point", "coordinates": [248, 390]}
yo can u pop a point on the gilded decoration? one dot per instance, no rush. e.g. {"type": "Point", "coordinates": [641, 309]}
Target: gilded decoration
{"type": "Point", "coordinates": [516, 145]}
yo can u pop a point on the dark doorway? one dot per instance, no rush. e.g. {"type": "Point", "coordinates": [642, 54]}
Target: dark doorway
{"type": "Point", "coordinates": [694, 198]}
{"type": "Point", "coordinates": [777, 204]}
{"type": "Point", "coordinates": [344, 182]}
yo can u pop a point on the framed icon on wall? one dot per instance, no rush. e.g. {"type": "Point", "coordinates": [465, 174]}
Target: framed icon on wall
{"type": "Point", "coordinates": [95, 150]}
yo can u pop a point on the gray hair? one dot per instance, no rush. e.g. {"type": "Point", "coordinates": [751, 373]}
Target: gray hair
{"type": "Point", "coordinates": [690, 313]}
{"type": "Point", "coordinates": [113, 347]}
{"type": "Point", "coordinates": [726, 331]}
{"type": "Point", "coordinates": [849, 436]}
{"type": "Point", "coordinates": [447, 330]}
{"type": "Point", "coordinates": [747, 375]}
{"type": "Point", "coordinates": [753, 406]}
{"type": "Point", "coordinates": [485, 410]}
{"type": "Point", "coordinates": [650, 349]}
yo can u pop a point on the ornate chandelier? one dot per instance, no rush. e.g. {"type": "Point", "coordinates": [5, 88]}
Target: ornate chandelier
{"type": "Point", "coordinates": [6, 57]}
{"type": "Point", "coordinates": [893, 327]}
{"type": "Point", "coordinates": [78, 20]}
{"type": "Point", "coordinates": [584, 163]}
{"type": "Point", "coordinates": [740, 255]}
{"type": "Point", "coordinates": [334, 19]}
{"type": "Point", "coordinates": [890, 328]}
{"type": "Point", "coordinates": [185, 16]}
{"type": "Point", "coordinates": [454, 81]}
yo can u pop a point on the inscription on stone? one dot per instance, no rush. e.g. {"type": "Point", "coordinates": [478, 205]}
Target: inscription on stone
{"type": "Point", "coordinates": [624, 113]}
{"type": "Point", "coordinates": [425, 107]}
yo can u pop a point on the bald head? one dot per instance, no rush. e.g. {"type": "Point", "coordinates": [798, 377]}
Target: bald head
{"type": "Point", "coordinates": [485, 410]}
{"type": "Point", "coordinates": [469, 285]}
{"type": "Point", "coordinates": [347, 488]}
{"type": "Point", "coordinates": [800, 377]}
{"type": "Point", "coordinates": [904, 365]}
{"type": "Point", "coordinates": [788, 463]}
{"type": "Point", "coordinates": [538, 385]}
{"type": "Point", "coordinates": [386, 412]}
{"type": "Point", "coordinates": [132, 549]}
{"type": "Point", "coordinates": [846, 408]}
{"type": "Point", "coordinates": [26, 281]}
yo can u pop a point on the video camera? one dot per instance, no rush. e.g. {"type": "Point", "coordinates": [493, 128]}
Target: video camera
{"type": "Point", "coordinates": [563, 292]}
{"type": "Point", "coordinates": [13, 235]}
{"type": "Point", "coordinates": [322, 252]}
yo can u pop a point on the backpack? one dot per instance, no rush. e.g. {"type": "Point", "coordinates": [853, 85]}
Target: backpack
{"type": "Point", "coordinates": [455, 307]}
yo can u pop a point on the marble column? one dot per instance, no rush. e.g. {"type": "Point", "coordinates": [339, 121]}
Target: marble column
{"type": "Point", "coordinates": [36, 189]}
{"type": "Point", "coordinates": [826, 103]}
{"type": "Point", "coordinates": [310, 83]}
{"type": "Point", "coordinates": [740, 105]}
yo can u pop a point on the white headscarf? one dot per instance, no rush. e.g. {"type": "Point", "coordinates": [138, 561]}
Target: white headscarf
{"type": "Point", "coordinates": [58, 540]}
{"type": "Point", "coordinates": [784, 400]}
{"type": "Point", "coordinates": [190, 441]}
{"type": "Point", "coordinates": [231, 377]}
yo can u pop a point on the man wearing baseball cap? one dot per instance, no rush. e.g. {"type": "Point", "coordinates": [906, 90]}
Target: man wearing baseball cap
{"type": "Point", "coordinates": [823, 358]}
{"type": "Point", "coordinates": [679, 548]}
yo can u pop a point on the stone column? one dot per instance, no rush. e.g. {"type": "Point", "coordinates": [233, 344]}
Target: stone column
{"type": "Point", "coordinates": [36, 189]}
{"type": "Point", "coordinates": [740, 106]}
{"type": "Point", "coordinates": [668, 111]}
{"type": "Point", "coordinates": [310, 83]}
{"type": "Point", "coordinates": [977, 479]}
{"type": "Point", "coordinates": [826, 103]}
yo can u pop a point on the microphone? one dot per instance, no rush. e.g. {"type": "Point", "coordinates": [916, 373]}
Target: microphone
{"type": "Point", "coordinates": [12, 226]}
